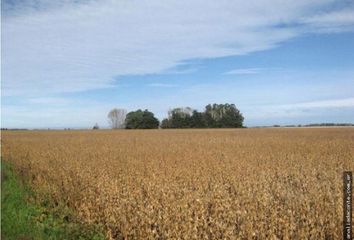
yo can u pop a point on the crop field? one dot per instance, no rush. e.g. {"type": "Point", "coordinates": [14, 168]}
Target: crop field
{"type": "Point", "coordinates": [192, 184]}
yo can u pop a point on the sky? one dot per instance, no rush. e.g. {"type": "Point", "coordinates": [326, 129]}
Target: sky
{"type": "Point", "coordinates": [67, 63]}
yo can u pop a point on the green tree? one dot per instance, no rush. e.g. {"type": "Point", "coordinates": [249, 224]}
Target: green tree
{"type": "Point", "coordinates": [141, 120]}
{"type": "Point", "coordinates": [214, 116]}
{"type": "Point", "coordinates": [180, 118]}
{"type": "Point", "coordinates": [198, 120]}
{"type": "Point", "coordinates": [223, 116]}
{"type": "Point", "coordinates": [165, 123]}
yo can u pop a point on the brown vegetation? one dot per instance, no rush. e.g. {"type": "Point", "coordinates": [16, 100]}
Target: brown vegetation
{"type": "Point", "coordinates": [193, 184]}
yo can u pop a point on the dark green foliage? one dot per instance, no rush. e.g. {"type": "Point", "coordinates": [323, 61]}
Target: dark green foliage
{"type": "Point", "coordinates": [165, 123]}
{"type": "Point", "coordinates": [141, 120]}
{"type": "Point", "coordinates": [224, 116]}
{"type": "Point", "coordinates": [198, 120]}
{"type": "Point", "coordinates": [214, 116]}
{"type": "Point", "coordinates": [178, 118]}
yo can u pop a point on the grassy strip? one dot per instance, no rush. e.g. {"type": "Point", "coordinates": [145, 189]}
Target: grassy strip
{"type": "Point", "coordinates": [22, 218]}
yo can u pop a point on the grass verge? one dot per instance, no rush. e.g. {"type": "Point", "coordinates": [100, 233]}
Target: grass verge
{"type": "Point", "coordinates": [22, 218]}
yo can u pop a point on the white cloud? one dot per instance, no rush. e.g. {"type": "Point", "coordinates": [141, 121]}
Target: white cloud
{"type": "Point", "coordinates": [183, 70]}
{"type": "Point", "coordinates": [334, 103]}
{"type": "Point", "coordinates": [50, 101]}
{"type": "Point", "coordinates": [302, 109]}
{"type": "Point", "coordinates": [244, 71]}
{"type": "Point", "coordinates": [162, 85]}
{"type": "Point", "coordinates": [66, 47]}
{"type": "Point", "coordinates": [332, 21]}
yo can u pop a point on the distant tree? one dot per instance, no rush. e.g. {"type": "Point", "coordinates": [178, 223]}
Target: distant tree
{"type": "Point", "coordinates": [214, 116]}
{"type": "Point", "coordinates": [165, 123]}
{"type": "Point", "coordinates": [179, 118]}
{"type": "Point", "coordinates": [95, 127]}
{"type": "Point", "coordinates": [198, 120]}
{"type": "Point", "coordinates": [223, 116]}
{"type": "Point", "coordinates": [181, 112]}
{"type": "Point", "coordinates": [141, 120]}
{"type": "Point", "coordinates": [116, 118]}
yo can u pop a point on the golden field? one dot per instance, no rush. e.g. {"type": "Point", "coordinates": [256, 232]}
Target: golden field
{"type": "Point", "coordinates": [193, 184]}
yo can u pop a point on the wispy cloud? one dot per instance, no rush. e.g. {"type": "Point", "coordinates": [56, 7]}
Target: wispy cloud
{"type": "Point", "coordinates": [181, 71]}
{"type": "Point", "coordinates": [50, 101]}
{"type": "Point", "coordinates": [68, 46]}
{"type": "Point", "coordinates": [333, 103]}
{"type": "Point", "coordinates": [333, 21]}
{"type": "Point", "coordinates": [162, 85]}
{"type": "Point", "coordinates": [244, 71]}
{"type": "Point", "coordinates": [301, 109]}
{"type": "Point", "coordinates": [184, 67]}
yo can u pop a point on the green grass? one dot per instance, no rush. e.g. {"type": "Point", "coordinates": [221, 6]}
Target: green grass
{"type": "Point", "coordinates": [23, 218]}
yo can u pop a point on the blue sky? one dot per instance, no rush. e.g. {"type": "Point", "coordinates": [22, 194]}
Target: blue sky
{"type": "Point", "coordinates": [67, 63]}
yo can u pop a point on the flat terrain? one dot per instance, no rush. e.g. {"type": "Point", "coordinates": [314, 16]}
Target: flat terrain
{"type": "Point", "coordinates": [192, 184]}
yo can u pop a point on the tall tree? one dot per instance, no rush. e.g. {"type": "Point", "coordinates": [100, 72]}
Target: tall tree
{"type": "Point", "coordinates": [165, 123]}
{"type": "Point", "coordinates": [198, 120]}
{"type": "Point", "coordinates": [116, 118]}
{"type": "Point", "coordinates": [180, 117]}
{"type": "Point", "coordinates": [223, 116]}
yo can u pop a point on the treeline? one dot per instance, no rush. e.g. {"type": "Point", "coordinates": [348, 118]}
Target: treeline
{"type": "Point", "coordinates": [329, 125]}
{"type": "Point", "coordinates": [317, 125]}
{"type": "Point", "coordinates": [214, 116]}
{"type": "Point", "coordinates": [14, 129]}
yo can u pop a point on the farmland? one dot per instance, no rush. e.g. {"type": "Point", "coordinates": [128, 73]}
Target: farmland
{"type": "Point", "coordinates": [192, 184]}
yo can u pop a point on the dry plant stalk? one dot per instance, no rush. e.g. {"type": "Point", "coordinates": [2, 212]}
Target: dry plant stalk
{"type": "Point", "coordinates": [193, 184]}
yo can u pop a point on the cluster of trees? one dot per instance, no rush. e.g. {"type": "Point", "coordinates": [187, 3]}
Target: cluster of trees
{"type": "Point", "coordinates": [119, 118]}
{"type": "Point", "coordinates": [317, 125]}
{"type": "Point", "coordinates": [214, 116]}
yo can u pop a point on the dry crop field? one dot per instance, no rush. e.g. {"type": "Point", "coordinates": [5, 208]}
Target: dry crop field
{"type": "Point", "coordinates": [193, 184]}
